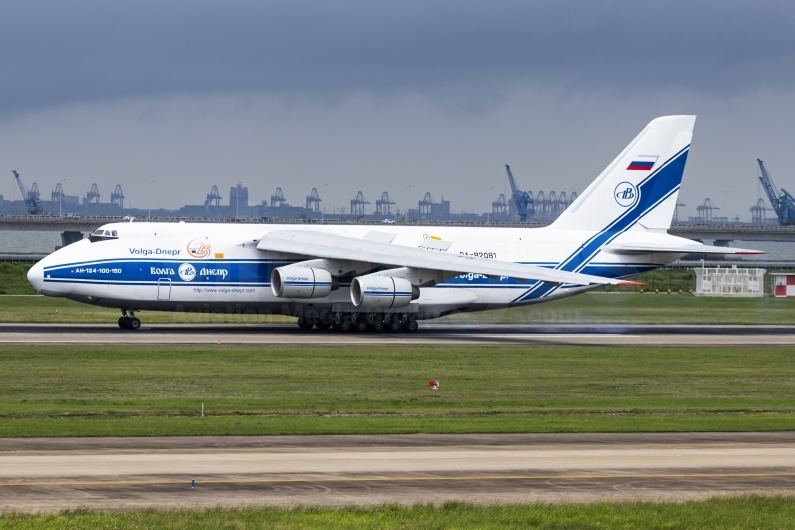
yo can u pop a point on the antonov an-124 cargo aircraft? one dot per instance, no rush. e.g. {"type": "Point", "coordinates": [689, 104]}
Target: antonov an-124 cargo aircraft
{"type": "Point", "coordinates": [389, 277]}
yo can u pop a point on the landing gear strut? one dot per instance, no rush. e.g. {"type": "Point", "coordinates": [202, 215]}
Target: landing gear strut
{"type": "Point", "coordinates": [129, 321]}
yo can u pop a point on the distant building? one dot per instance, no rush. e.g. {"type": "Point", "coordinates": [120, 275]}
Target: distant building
{"type": "Point", "coordinates": [238, 197]}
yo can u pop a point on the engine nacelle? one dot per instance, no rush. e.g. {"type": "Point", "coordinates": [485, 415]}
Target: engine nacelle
{"type": "Point", "coordinates": [382, 292]}
{"type": "Point", "coordinates": [301, 282]}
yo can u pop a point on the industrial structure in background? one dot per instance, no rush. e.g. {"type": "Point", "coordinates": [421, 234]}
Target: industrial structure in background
{"type": "Point", "coordinates": [521, 199]}
{"type": "Point", "coordinates": [783, 203]}
{"type": "Point", "coordinates": [93, 196]}
{"type": "Point", "coordinates": [383, 205]}
{"type": "Point", "coordinates": [705, 214]}
{"type": "Point", "coordinates": [213, 198]}
{"type": "Point", "coordinates": [117, 197]}
{"type": "Point", "coordinates": [544, 207]}
{"type": "Point", "coordinates": [548, 206]}
{"type": "Point", "coordinates": [357, 205]}
{"type": "Point", "coordinates": [313, 201]}
{"type": "Point", "coordinates": [759, 212]}
{"type": "Point", "coordinates": [278, 200]}
{"type": "Point", "coordinates": [32, 197]}
{"type": "Point", "coordinates": [519, 205]}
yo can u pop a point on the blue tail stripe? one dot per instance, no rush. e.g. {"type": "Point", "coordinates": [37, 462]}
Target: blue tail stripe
{"type": "Point", "coordinates": [653, 190]}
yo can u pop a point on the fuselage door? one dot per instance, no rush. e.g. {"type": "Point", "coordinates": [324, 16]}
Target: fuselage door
{"type": "Point", "coordinates": [164, 288]}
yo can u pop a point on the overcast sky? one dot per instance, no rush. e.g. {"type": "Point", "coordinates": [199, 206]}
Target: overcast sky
{"type": "Point", "coordinates": [406, 97]}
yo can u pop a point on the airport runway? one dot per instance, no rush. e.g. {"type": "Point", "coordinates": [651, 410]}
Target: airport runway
{"type": "Point", "coordinates": [57, 473]}
{"type": "Point", "coordinates": [429, 334]}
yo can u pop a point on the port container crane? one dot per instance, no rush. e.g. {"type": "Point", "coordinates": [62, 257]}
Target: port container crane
{"type": "Point", "coordinates": [783, 203]}
{"type": "Point", "coordinates": [382, 205]}
{"type": "Point", "coordinates": [213, 198]}
{"type": "Point", "coordinates": [523, 201]}
{"type": "Point", "coordinates": [32, 201]}
{"type": "Point", "coordinates": [357, 204]}
{"type": "Point", "coordinates": [313, 201]}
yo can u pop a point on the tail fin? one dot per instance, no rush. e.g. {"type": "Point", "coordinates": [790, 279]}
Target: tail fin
{"type": "Point", "coordinates": [640, 187]}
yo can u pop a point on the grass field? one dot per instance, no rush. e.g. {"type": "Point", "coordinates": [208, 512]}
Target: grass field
{"type": "Point", "coordinates": [717, 514]}
{"type": "Point", "coordinates": [14, 280]}
{"type": "Point", "coordinates": [588, 308]}
{"type": "Point", "coordinates": [128, 390]}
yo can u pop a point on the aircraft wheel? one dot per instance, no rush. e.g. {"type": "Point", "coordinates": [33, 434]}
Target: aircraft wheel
{"type": "Point", "coordinates": [134, 323]}
{"type": "Point", "coordinates": [377, 325]}
{"type": "Point", "coordinates": [361, 325]}
{"type": "Point", "coordinates": [305, 324]}
{"type": "Point", "coordinates": [411, 326]}
{"type": "Point", "coordinates": [123, 322]}
{"type": "Point", "coordinates": [344, 325]}
{"type": "Point", "coordinates": [393, 325]}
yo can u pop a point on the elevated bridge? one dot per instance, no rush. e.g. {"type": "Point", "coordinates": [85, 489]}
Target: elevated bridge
{"type": "Point", "coordinates": [722, 234]}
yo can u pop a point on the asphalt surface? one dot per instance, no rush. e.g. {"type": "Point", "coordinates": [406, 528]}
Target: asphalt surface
{"type": "Point", "coordinates": [57, 473]}
{"type": "Point", "coordinates": [428, 334]}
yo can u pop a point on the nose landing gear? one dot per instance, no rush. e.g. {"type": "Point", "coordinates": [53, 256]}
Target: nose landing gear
{"type": "Point", "coordinates": [129, 321]}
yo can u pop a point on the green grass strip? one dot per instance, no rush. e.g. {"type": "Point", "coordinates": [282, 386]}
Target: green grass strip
{"type": "Point", "coordinates": [277, 425]}
{"type": "Point", "coordinates": [101, 390]}
{"type": "Point", "coordinates": [588, 308]}
{"type": "Point", "coordinates": [755, 512]}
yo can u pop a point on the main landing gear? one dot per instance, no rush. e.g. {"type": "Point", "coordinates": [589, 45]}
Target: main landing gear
{"type": "Point", "coordinates": [129, 321]}
{"type": "Point", "coordinates": [361, 322]}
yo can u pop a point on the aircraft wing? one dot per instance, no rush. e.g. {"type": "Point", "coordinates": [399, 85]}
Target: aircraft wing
{"type": "Point", "coordinates": [694, 248]}
{"type": "Point", "coordinates": [330, 246]}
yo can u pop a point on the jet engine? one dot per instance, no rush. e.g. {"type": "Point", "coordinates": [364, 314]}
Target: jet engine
{"type": "Point", "coordinates": [301, 282]}
{"type": "Point", "coordinates": [382, 292]}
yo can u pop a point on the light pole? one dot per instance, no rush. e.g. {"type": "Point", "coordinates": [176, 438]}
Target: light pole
{"type": "Point", "coordinates": [237, 201]}
{"type": "Point", "coordinates": [60, 197]}
{"type": "Point", "coordinates": [148, 204]}
{"type": "Point", "coordinates": [323, 213]}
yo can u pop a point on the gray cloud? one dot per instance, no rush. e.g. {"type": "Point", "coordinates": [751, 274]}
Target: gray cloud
{"type": "Point", "coordinates": [54, 53]}
{"type": "Point", "coordinates": [376, 95]}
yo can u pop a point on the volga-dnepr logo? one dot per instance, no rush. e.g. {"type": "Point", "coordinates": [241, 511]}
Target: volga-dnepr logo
{"type": "Point", "coordinates": [187, 272]}
{"type": "Point", "coordinates": [626, 194]}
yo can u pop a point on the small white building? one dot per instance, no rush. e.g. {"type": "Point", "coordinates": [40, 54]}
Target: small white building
{"type": "Point", "coordinates": [783, 283]}
{"type": "Point", "coordinates": [729, 281]}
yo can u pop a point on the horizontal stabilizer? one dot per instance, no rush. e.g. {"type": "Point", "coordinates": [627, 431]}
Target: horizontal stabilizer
{"type": "Point", "coordinates": [330, 246]}
{"type": "Point", "coordinates": [694, 248]}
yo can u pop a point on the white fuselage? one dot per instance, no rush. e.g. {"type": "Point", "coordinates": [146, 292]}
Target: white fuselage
{"type": "Point", "coordinates": [149, 267]}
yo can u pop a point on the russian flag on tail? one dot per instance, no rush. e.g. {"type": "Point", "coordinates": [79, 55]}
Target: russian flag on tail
{"type": "Point", "coordinates": [641, 165]}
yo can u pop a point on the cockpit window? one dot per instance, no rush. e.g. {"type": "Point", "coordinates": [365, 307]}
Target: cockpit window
{"type": "Point", "coordinates": [101, 234]}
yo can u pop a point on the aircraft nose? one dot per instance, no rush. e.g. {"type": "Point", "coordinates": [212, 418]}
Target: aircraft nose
{"type": "Point", "coordinates": [36, 276]}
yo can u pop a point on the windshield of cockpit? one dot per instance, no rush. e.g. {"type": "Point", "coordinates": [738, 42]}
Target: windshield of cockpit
{"type": "Point", "coordinates": [103, 234]}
